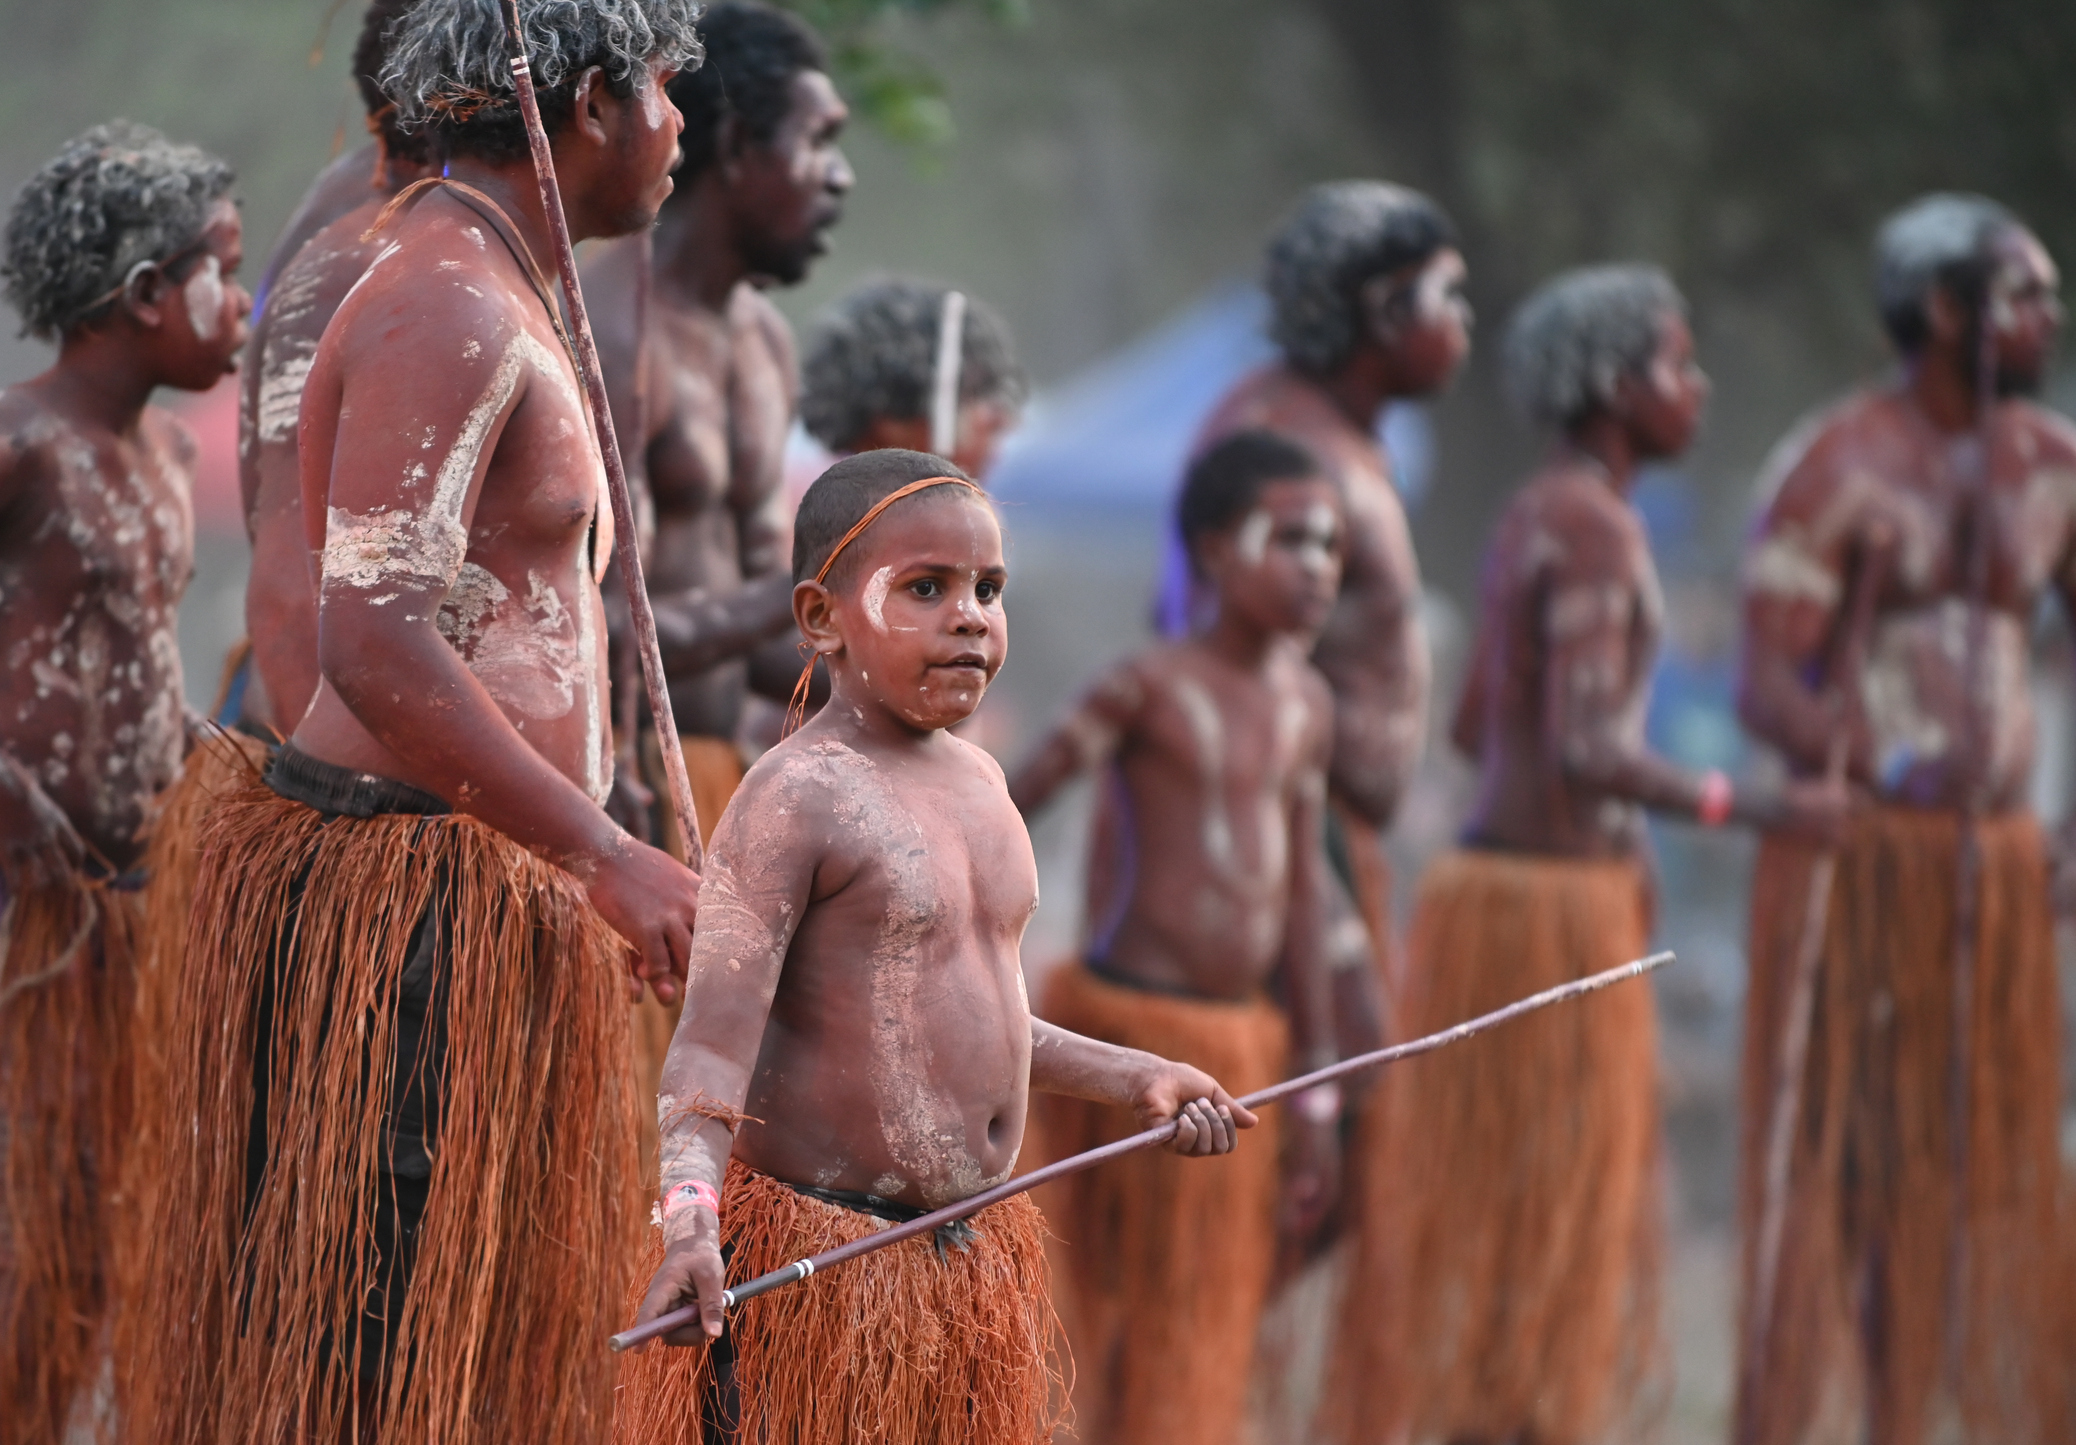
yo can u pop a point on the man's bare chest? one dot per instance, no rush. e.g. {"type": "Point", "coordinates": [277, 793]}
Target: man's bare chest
{"type": "Point", "coordinates": [1951, 537]}
{"type": "Point", "coordinates": [719, 430]}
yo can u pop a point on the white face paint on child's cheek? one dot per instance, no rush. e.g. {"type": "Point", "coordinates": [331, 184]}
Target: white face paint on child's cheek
{"type": "Point", "coordinates": [204, 295]}
{"type": "Point", "coordinates": [1254, 537]}
{"type": "Point", "coordinates": [876, 598]}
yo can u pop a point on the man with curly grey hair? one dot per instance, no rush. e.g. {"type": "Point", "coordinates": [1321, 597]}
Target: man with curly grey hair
{"type": "Point", "coordinates": [123, 250]}
{"type": "Point", "coordinates": [881, 359]}
{"type": "Point", "coordinates": [1920, 1194]}
{"type": "Point", "coordinates": [399, 1198]}
{"type": "Point", "coordinates": [1551, 883]}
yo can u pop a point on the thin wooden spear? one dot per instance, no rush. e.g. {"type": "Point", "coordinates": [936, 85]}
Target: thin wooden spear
{"type": "Point", "coordinates": [800, 1269]}
{"type": "Point", "coordinates": [1967, 904]}
{"type": "Point", "coordinates": [626, 546]}
{"type": "Point", "coordinates": [1793, 1058]}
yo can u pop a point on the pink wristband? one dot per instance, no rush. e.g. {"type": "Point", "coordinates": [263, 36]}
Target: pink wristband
{"type": "Point", "coordinates": [692, 1191]}
{"type": "Point", "coordinates": [1717, 797]}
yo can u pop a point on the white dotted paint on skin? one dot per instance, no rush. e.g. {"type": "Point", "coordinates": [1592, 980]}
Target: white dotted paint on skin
{"type": "Point", "coordinates": [876, 589]}
{"type": "Point", "coordinates": [1253, 540]}
{"type": "Point", "coordinates": [204, 296]}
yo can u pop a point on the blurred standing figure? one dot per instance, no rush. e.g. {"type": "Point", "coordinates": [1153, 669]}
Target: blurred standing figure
{"type": "Point", "coordinates": [325, 249]}
{"type": "Point", "coordinates": [1218, 744]}
{"type": "Point", "coordinates": [1366, 288]}
{"type": "Point", "coordinates": [1912, 1298]}
{"type": "Point", "coordinates": [1505, 1287]}
{"type": "Point", "coordinates": [122, 250]}
{"type": "Point", "coordinates": [879, 359]}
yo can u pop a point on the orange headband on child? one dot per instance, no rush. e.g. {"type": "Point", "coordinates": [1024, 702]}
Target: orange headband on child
{"type": "Point", "coordinates": [796, 711]}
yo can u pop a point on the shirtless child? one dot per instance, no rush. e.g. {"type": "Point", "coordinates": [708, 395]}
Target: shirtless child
{"type": "Point", "coordinates": [400, 1193]}
{"type": "Point", "coordinates": [1216, 753]}
{"type": "Point", "coordinates": [1509, 1290]}
{"type": "Point", "coordinates": [122, 251]}
{"type": "Point", "coordinates": [855, 1044]}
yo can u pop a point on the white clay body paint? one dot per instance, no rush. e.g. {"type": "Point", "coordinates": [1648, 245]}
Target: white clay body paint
{"type": "Point", "coordinates": [373, 550]}
{"type": "Point", "coordinates": [204, 295]}
{"type": "Point", "coordinates": [1253, 539]}
{"type": "Point", "coordinates": [876, 598]}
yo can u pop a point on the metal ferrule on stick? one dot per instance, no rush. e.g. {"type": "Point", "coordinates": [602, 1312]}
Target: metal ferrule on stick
{"type": "Point", "coordinates": [1275, 1093]}
{"type": "Point", "coordinates": [626, 543]}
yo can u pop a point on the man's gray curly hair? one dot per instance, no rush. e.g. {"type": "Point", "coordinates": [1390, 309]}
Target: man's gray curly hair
{"type": "Point", "coordinates": [450, 71]}
{"type": "Point", "coordinates": [1580, 333]}
{"type": "Point", "coordinates": [1945, 239]}
{"type": "Point", "coordinates": [1336, 238]}
{"type": "Point", "coordinates": [874, 354]}
{"type": "Point", "coordinates": [115, 198]}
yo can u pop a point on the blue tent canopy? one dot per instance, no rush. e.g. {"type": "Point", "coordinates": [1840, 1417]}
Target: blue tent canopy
{"type": "Point", "coordinates": [1117, 433]}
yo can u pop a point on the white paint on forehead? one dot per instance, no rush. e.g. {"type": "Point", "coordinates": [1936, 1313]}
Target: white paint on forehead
{"type": "Point", "coordinates": [204, 295]}
{"type": "Point", "coordinates": [1254, 536]}
{"type": "Point", "coordinates": [1319, 521]}
{"type": "Point", "coordinates": [876, 597]}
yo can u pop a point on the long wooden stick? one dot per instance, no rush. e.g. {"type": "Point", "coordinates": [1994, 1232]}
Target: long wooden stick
{"type": "Point", "coordinates": [1792, 1061]}
{"type": "Point", "coordinates": [1967, 902]}
{"type": "Point", "coordinates": [800, 1269]}
{"type": "Point", "coordinates": [626, 545]}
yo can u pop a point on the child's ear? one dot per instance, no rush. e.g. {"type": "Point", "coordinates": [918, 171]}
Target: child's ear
{"type": "Point", "coordinates": [814, 610]}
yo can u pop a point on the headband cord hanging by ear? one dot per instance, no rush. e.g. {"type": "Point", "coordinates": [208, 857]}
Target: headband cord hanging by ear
{"type": "Point", "coordinates": [796, 710]}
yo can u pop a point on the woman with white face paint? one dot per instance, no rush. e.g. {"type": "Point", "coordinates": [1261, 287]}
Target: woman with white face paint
{"type": "Point", "coordinates": [1214, 752]}
{"type": "Point", "coordinates": [121, 250]}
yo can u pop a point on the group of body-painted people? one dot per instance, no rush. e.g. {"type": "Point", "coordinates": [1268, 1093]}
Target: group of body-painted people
{"type": "Point", "coordinates": [362, 1064]}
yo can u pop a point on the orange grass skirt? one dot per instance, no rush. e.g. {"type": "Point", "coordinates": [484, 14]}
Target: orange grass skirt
{"type": "Point", "coordinates": [1506, 1269]}
{"type": "Point", "coordinates": [252, 1330]}
{"type": "Point", "coordinates": [1871, 1198]}
{"type": "Point", "coordinates": [67, 987]}
{"type": "Point", "coordinates": [900, 1347]}
{"type": "Point", "coordinates": [1164, 1262]}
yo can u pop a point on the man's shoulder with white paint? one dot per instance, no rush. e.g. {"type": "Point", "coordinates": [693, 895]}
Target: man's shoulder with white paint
{"type": "Point", "coordinates": [1819, 449]}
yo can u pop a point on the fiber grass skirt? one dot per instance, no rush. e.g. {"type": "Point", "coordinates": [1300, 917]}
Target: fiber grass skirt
{"type": "Point", "coordinates": [1506, 1270]}
{"type": "Point", "coordinates": [1165, 1262]}
{"type": "Point", "coordinates": [67, 986]}
{"type": "Point", "coordinates": [901, 1346]}
{"type": "Point", "coordinates": [1872, 1198]}
{"type": "Point", "coordinates": [255, 1300]}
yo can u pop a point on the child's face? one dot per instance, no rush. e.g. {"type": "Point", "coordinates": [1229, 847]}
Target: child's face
{"type": "Point", "coordinates": [920, 621]}
{"type": "Point", "coordinates": [1280, 568]}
